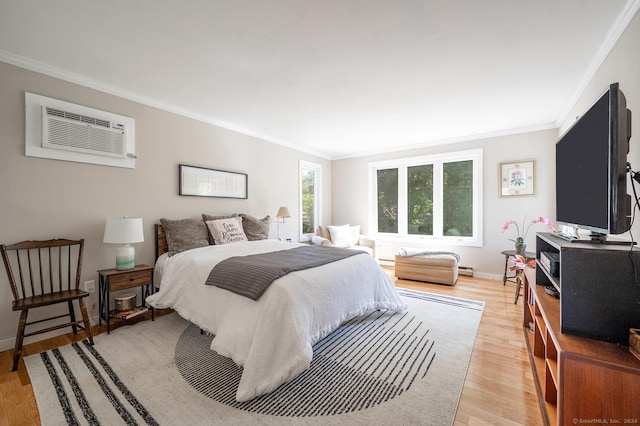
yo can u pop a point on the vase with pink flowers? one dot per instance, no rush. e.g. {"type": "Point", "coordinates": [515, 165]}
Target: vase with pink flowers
{"type": "Point", "coordinates": [522, 231]}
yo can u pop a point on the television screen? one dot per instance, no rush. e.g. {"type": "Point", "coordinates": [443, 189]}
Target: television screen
{"type": "Point", "coordinates": [591, 168]}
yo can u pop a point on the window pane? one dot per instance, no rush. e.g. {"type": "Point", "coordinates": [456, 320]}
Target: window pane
{"type": "Point", "coordinates": [430, 197]}
{"type": "Point", "coordinates": [457, 198]}
{"type": "Point", "coordinates": [308, 200]}
{"type": "Point", "coordinates": [420, 200]}
{"type": "Point", "coordinates": [388, 200]}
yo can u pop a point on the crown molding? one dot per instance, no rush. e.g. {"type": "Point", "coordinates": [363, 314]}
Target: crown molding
{"type": "Point", "coordinates": [625, 17]}
{"type": "Point", "coordinates": [81, 80]}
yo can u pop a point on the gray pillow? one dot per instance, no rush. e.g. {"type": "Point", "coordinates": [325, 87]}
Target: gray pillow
{"type": "Point", "coordinates": [207, 217]}
{"type": "Point", "coordinates": [185, 234]}
{"type": "Point", "coordinates": [255, 229]}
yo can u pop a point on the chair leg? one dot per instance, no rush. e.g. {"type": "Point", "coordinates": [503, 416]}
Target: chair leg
{"type": "Point", "coordinates": [504, 276]}
{"type": "Point", "coordinates": [518, 287]}
{"type": "Point", "coordinates": [85, 319]}
{"type": "Point", "coordinates": [17, 350]}
{"type": "Point", "coordinates": [72, 316]}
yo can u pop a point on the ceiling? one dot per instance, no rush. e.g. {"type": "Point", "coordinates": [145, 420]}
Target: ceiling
{"type": "Point", "coordinates": [337, 78]}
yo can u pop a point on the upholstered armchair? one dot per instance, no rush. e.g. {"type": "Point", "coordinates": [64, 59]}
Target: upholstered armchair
{"type": "Point", "coordinates": [345, 236]}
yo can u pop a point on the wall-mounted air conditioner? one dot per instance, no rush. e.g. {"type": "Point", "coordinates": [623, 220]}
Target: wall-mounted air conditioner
{"type": "Point", "coordinates": [82, 133]}
{"type": "Point", "coordinates": [65, 131]}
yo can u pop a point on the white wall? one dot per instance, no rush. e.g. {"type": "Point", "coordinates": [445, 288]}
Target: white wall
{"type": "Point", "coordinates": [43, 199]}
{"type": "Point", "coordinates": [350, 195]}
{"type": "Point", "coordinates": [621, 65]}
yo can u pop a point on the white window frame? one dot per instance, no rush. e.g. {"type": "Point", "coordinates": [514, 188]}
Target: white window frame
{"type": "Point", "coordinates": [317, 196]}
{"type": "Point", "coordinates": [402, 164]}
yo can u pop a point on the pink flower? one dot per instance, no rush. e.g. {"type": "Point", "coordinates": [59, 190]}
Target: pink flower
{"type": "Point", "coordinates": [507, 224]}
{"type": "Point", "coordinates": [520, 238]}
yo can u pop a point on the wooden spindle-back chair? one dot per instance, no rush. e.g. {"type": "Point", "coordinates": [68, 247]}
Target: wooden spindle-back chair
{"type": "Point", "coordinates": [44, 273]}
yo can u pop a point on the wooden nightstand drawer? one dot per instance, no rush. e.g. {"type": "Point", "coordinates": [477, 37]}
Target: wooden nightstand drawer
{"type": "Point", "coordinates": [129, 280]}
{"type": "Point", "coordinates": [114, 280]}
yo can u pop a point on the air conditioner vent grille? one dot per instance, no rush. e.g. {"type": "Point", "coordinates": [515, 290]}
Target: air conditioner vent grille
{"type": "Point", "coordinates": [78, 117]}
{"type": "Point", "coordinates": [85, 138]}
{"type": "Point", "coordinates": [82, 133]}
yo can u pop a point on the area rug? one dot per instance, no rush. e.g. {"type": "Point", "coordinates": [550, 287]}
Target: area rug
{"type": "Point", "coordinates": [379, 368]}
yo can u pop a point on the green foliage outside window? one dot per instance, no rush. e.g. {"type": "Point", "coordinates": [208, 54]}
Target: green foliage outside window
{"type": "Point", "coordinates": [308, 200]}
{"type": "Point", "coordinates": [388, 200]}
{"type": "Point", "coordinates": [457, 194]}
{"type": "Point", "coordinates": [420, 199]}
{"type": "Point", "coordinates": [456, 209]}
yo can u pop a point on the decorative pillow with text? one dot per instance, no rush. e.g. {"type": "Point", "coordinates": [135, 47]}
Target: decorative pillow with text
{"type": "Point", "coordinates": [207, 217]}
{"type": "Point", "coordinates": [225, 231]}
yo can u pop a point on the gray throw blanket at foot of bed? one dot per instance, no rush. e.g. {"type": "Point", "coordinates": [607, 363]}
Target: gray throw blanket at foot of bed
{"type": "Point", "coordinates": [251, 275]}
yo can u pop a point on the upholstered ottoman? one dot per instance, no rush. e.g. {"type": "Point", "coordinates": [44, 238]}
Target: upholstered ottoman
{"type": "Point", "coordinates": [432, 268]}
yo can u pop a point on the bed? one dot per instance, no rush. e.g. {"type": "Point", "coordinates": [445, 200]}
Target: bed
{"type": "Point", "coordinates": [272, 337]}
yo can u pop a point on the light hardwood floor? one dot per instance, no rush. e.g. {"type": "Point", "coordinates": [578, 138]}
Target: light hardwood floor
{"type": "Point", "coordinates": [498, 390]}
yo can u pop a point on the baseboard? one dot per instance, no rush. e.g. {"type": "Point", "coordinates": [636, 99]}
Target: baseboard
{"type": "Point", "coordinates": [465, 271]}
{"type": "Point", "coordinates": [8, 343]}
{"type": "Point", "coordinates": [488, 276]}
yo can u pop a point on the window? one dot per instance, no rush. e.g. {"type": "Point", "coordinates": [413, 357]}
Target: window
{"type": "Point", "coordinates": [438, 196]}
{"type": "Point", "coordinates": [388, 200]}
{"type": "Point", "coordinates": [420, 200]}
{"type": "Point", "coordinates": [310, 190]}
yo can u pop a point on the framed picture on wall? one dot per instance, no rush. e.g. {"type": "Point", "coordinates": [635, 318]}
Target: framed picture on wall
{"type": "Point", "coordinates": [517, 178]}
{"type": "Point", "coordinates": [204, 182]}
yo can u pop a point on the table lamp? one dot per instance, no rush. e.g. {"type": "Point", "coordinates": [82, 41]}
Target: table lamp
{"type": "Point", "coordinates": [124, 231]}
{"type": "Point", "coordinates": [283, 213]}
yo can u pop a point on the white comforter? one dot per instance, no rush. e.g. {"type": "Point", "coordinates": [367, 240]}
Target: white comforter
{"type": "Point", "coordinates": [272, 337]}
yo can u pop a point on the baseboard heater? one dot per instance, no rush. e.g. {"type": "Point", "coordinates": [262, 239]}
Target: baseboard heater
{"type": "Point", "coordinates": [466, 271]}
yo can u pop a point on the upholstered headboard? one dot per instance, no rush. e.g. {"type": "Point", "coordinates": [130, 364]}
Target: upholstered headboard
{"type": "Point", "coordinates": [161, 240]}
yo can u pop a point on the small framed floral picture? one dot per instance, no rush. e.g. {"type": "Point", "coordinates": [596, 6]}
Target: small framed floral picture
{"type": "Point", "coordinates": [517, 178]}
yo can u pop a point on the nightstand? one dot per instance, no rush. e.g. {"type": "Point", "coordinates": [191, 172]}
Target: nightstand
{"type": "Point", "coordinates": [115, 280]}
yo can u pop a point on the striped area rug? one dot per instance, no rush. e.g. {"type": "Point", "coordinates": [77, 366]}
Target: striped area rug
{"type": "Point", "coordinates": [379, 368]}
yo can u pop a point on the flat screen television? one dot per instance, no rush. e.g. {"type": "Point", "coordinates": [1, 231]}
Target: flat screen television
{"type": "Point", "coordinates": [591, 169]}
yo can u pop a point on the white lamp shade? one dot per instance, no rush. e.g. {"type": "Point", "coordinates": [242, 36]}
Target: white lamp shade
{"type": "Point", "coordinates": [283, 212]}
{"type": "Point", "coordinates": [123, 230]}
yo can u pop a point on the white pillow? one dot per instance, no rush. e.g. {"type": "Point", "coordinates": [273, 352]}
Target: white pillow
{"type": "Point", "coordinates": [228, 230]}
{"type": "Point", "coordinates": [340, 235]}
{"type": "Point", "coordinates": [355, 235]}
